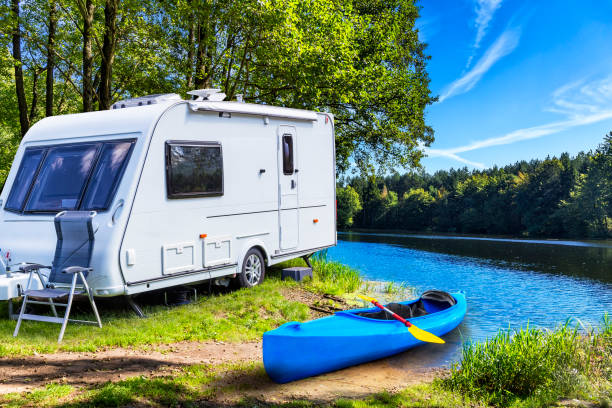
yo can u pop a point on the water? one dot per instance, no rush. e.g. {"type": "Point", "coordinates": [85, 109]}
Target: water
{"type": "Point", "coordinates": [508, 282]}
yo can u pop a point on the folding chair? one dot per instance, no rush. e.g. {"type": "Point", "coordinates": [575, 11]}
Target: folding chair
{"type": "Point", "coordinates": [75, 240]}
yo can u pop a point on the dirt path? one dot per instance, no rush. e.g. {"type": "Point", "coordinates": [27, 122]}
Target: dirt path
{"type": "Point", "coordinates": [88, 369]}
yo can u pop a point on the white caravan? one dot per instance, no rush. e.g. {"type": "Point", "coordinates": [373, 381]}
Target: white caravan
{"type": "Point", "coordinates": [185, 191]}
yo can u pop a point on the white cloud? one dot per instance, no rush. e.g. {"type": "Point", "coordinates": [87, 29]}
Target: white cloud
{"type": "Point", "coordinates": [484, 14]}
{"type": "Point", "coordinates": [427, 27]}
{"type": "Point", "coordinates": [504, 45]}
{"type": "Point", "coordinates": [580, 103]}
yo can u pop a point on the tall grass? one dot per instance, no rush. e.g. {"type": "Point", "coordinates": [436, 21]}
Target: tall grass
{"type": "Point", "coordinates": [535, 365]}
{"type": "Point", "coordinates": [333, 277]}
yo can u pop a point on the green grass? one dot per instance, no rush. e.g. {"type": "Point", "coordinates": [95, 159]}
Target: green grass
{"type": "Point", "coordinates": [535, 367]}
{"type": "Point", "coordinates": [49, 396]}
{"type": "Point", "coordinates": [333, 277]}
{"type": "Point", "coordinates": [235, 316]}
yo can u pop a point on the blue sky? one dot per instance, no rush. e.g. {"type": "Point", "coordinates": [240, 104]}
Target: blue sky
{"type": "Point", "coordinates": [516, 79]}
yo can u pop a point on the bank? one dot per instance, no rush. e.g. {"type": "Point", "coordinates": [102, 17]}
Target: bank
{"type": "Point", "coordinates": [208, 353]}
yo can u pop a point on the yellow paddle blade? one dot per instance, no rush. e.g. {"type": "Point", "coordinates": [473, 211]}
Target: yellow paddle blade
{"type": "Point", "coordinates": [422, 335]}
{"type": "Point", "coordinates": [367, 298]}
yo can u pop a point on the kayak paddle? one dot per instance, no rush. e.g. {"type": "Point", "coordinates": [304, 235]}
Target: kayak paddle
{"type": "Point", "coordinates": [419, 334]}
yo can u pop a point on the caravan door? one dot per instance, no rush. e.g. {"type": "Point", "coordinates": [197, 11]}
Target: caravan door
{"type": "Point", "coordinates": [287, 187]}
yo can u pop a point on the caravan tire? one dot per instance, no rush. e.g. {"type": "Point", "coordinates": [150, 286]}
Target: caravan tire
{"type": "Point", "coordinates": [253, 269]}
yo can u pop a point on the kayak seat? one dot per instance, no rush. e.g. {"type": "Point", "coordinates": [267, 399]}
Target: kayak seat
{"type": "Point", "coordinates": [437, 300]}
{"type": "Point", "coordinates": [415, 309]}
{"type": "Point", "coordinates": [430, 302]}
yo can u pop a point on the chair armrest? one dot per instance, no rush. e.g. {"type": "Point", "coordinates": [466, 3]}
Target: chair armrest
{"type": "Point", "coordinates": [76, 269]}
{"type": "Point", "coordinates": [29, 267]}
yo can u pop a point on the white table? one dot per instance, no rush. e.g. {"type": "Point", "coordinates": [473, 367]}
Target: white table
{"type": "Point", "coordinates": [12, 287]}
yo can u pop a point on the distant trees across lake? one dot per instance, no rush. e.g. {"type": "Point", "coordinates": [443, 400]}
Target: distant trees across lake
{"type": "Point", "coordinates": [556, 197]}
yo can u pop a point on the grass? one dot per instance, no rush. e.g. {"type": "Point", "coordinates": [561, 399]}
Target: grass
{"type": "Point", "coordinates": [333, 277]}
{"type": "Point", "coordinates": [521, 370]}
{"type": "Point", "coordinates": [235, 316]}
{"type": "Point", "coordinates": [536, 367]}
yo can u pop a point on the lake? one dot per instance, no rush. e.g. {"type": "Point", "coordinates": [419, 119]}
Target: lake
{"type": "Point", "coordinates": [508, 282]}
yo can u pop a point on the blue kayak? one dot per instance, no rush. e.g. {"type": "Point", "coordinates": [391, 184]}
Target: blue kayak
{"type": "Point", "coordinates": [298, 350]}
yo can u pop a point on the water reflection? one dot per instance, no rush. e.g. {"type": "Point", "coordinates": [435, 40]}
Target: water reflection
{"type": "Point", "coordinates": [507, 283]}
{"type": "Point", "coordinates": [573, 258]}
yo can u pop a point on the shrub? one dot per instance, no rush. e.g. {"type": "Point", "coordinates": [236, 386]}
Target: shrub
{"type": "Point", "coordinates": [531, 363]}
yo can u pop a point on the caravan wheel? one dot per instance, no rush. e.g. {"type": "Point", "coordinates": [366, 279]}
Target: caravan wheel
{"type": "Point", "coordinates": [253, 269]}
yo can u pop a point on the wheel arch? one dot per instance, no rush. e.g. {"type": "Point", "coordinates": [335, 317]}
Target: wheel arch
{"type": "Point", "coordinates": [257, 244]}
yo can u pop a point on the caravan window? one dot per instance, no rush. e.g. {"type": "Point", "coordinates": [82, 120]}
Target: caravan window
{"type": "Point", "coordinates": [194, 169]}
{"type": "Point", "coordinates": [82, 176]}
{"type": "Point", "coordinates": [27, 170]}
{"type": "Point", "coordinates": [62, 177]}
{"type": "Point", "coordinates": [287, 154]}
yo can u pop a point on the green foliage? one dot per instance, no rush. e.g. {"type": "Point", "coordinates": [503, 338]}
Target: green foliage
{"type": "Point", "coordinates": [534, 365]}
{"type": "Point", "coordinates": [555, 197]}
{"type": "Point", "coordinates": [348, 205]}
{"type": "Point", "coordinates": [333, 277]}
{"type": "Point", "coordinates": [360, 60]}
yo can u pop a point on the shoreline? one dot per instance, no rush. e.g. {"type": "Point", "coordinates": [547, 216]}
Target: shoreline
{"type": "Point", "coordinates": [603, 242]}
{"type": "Point", "coordinates": [224, 367]}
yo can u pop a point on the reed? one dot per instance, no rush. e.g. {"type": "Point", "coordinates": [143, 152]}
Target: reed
{"type": "Point", "coordinates": [534, 364]}
{"type": "Point", "coordinates": [333, 277]}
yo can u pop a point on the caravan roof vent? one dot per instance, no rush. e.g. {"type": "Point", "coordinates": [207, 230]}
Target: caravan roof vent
{"type": "Point", "coordinates": [207, 94]}
{"type": "Point", "coordinates": [146, 100]}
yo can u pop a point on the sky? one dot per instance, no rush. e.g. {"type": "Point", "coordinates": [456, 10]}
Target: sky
{"type": "Point", "coordinates": [516, 80]}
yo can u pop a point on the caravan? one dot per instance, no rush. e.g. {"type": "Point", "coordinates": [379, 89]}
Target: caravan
{"type": "Point", "coordinates": [183, 191]}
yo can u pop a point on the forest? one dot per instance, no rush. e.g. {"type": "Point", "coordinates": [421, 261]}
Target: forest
{"type": "Point", "coordinates": [555, 197]}
{"type": "Point", "coordinates": [361, 60]}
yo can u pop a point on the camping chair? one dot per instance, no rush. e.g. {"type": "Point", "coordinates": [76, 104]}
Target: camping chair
{"type": "Point", "coordinates": [75, 239]}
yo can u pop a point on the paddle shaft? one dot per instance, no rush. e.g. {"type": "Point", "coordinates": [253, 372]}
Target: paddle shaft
{"type": "Point", "coordinates": [395, 315]}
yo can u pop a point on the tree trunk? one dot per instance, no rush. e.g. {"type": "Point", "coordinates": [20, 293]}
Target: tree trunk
{"type": "Point", "coordinates": [88, 13]}
{"type": "Point", "coordinates": [108, 52]}
{"type": "Point", "coordinates": [50, 58]}
{"type": "Point", "coordinates": [190, 43]}
{"type": "Point", "coordinates": [35, 72]}
{"type": "Point", "coordinates": [202, 76]}
{"type": "Point", "coordinates": [19, 88]}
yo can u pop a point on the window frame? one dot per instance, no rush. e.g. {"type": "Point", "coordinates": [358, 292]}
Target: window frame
{"type": "Point", "coordinates": [47, 148]}
{"type": "Point", "coordinates": [292, 154]}
{"type": "Point", "coordinates": [192, 143]}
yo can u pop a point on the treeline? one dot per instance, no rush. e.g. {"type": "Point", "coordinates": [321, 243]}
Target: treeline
{"type": "Point", "coordinates": [359, 59]}
{"type": "Point", "coordinates": [556, 197]}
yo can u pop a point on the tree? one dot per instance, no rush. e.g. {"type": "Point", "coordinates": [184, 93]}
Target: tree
{"type": "Point", "coordinates": [348, 205]}
{"type": "Point", "coordinates": [87, 8]}
{"type": "Point", "coordinates": [415, 209]}
{"type": "Point", "coordinates": [18, 64]}
{"type": "Point", "coordinates": [50, 58]}
{"type": "Point", "coordinates": [108, 53]}
{"type": "Point", "coordinates": [588, 211]}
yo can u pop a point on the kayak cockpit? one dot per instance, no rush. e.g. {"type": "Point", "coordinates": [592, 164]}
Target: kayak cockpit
{"type": "Point", "coordinates": [431, 301]}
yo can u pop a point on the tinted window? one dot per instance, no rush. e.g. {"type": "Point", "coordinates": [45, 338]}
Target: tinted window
{"type": "Point", "coordinates": [23, 181]}
{"type": "Point", "coordinates": [80, 176]}
{"type": "Point", "coordinates": [194, 169]}
{"type": "Point", "coordinates": [287, 154]}
{"type": "Point", "coordinates": [62, 178]}
{"type": "Point", "coordinates": [106, 175]}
